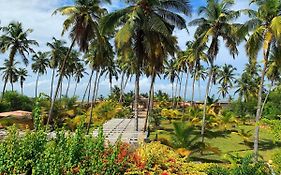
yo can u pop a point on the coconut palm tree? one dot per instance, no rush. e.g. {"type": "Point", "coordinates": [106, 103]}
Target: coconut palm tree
{"type": "Point", "coordinates": [265, 27]}
{"type": "Point", "coordinates": [99, 55]}
{"type": "Point", "coordinates": [226, 79]}
{"type": "Point", "coordinates": [39, 66]}
{"type": "Point", "coordinates": [22, 74]}
{"type": "Point", "coordinates": [58, 50]}
{"type": "Point", "coordinates": [79, 73]}
{"type": "Point", "coordinates": [215, 23]}
{"type": "Point", "coordinates": [111, 71]}
{"type": "Point", "coordinates": [127, 71]}
{"type": "Point", "coordinates": [9, 73]}
{"type": "Point", "coordinates": [15, 39]}
{"type": "Point", "coordinates": [171, 73]}
{"type": "Point", "coordinates": [70, 68]}
{"type": "Point", "coordinates": [145, 23]}
{"type": "Point", "coordinates": [82, 21]}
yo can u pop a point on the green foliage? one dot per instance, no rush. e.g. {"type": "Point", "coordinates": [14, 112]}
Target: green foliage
{"type": "Point", "coordinates": [244, 109]}
{"type": "Point", "coordinates": [13, 101]}
{"type": "Point", "coordinates": [277, 161]}
{"type": "Point", "coordinates": [107, 110]}
{"type": "Point", "coordinates": [218, 170]}
{"type": "Point", "coordinates": [272, 108]}
{"type": "Point", "coordinates": [36, 113]}
{"type": "Point", "coordinates": [155, 118]}
{"type": "Point", "coordinates": [76, 153]}
{"type": "Point", "coordinates": [247, 166]}
{"type": "Point", "coordinates": [183, 136]}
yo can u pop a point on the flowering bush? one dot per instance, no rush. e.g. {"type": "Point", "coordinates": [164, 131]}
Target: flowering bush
{"type": "Point", "coordinates": [155, 158]}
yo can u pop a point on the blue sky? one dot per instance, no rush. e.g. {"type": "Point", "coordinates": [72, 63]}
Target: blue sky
{"type": "Point", "coordinates": [36, 14]}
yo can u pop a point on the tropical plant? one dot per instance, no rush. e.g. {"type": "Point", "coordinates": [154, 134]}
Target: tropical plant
{"type": "Point", "coordinates": [15, 39]}
{"type": "Point", "coordinates": [215, 23]}
{"type": "Point", "coordinates": [184, 137]}
{"type": "Point", "coordinates": [9, 73]}
{"type": "Point", "coordinates": [55, 54]}
{"type": "Point", "coordinates": [226, 79]}
{"type": "Point", "coordinates": [39, 66]}
{"type": "Point", "coordinates": [82, 20]}
{"type": "Point", "coordinates": [22, 74]}
{"type": "Point", "coordinates": [145, 24]}
{"type": "Point", "coordinates": [265, 34]}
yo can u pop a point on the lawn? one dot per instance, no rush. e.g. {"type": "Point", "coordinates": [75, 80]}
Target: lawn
{"type": "Point", "coordinates": [227, 141]}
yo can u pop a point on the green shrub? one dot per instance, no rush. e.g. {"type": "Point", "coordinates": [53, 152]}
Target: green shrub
{"type": "Point", "coordinates": [218, 170]}
{"type": "Point", "coordinates": [74, 153]}
{"type": "Point", "coordinates": [248, 166]}
{"type": "Point", "coordinates": [13, 101]}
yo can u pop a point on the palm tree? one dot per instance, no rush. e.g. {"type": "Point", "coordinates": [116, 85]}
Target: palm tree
{"type": "Point", "coordinates": [111, 71]}
{"type": "Point", "coordinates": [246, 84]}
{"type": "Point", "coordinates": [273, 72]}
{"type": "Point", "coordinates": [216, 70]}
{"type": "Point", "coordinates": [171, 73]}
{"type": "Point", "coordinates": [265, 25]}
{"type": "Point", "coordinates": [145, 23]}
{"type": "Point", "coordinates": [9, 73]}
{"type": "Point", "coordinates": [16, 40]}
{"type": "Point", "coordinates": [226, 79]}
{"type": "Point", "coordinates": [70, 68]}
{"type": "Point", "coordinates": [215, 23]}
{"type": "Point", "coordinates": [99, 55]}
{"type": "Point", "coordinates": [57, 52]}
{"type": "Point", "coordinates": [83, 19]}
{"type": "Point", "coordinates": [126, 69]}
{"type": "Point", "coordinates": [22, 74]}
{"type": "Point", "coordinates": [39, 66]}
{"type": "Point", "coordinates": [79, 73]}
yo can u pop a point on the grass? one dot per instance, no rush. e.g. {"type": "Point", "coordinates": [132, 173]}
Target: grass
{"type": "Point", "coordinates": [228, 141]}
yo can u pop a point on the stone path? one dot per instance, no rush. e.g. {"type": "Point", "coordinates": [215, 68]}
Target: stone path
{"type": "Point", "coordinates": [123, 129]}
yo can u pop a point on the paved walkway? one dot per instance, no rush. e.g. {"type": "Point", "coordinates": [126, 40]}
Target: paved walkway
{"type": "Point", "coordinates": [123, 129]}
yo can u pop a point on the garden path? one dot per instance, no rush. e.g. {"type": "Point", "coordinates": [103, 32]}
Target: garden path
{"type": "Point", "coordinates": [123, 129]}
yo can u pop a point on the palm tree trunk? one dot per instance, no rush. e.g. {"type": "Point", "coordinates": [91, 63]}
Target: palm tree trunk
{"type": "Point", "coordinates": [4, 88]}
{"type": "Point", "coordinates": [110, 85]}
{"type": "Point", "coordinates": [36, 85]}
{"type": "Point", "coordinates": [12, 86]}
{"type": "Point", "coordinates": [179, 93]}
{"type": "Point", "coordinates": [259, 106]}
{"type": "Point", "coordinates": [185, 87]}
{"type": "Point", "coordinates": [52, 83]}
{"type": "Point", "coordinates": [93, 99]}
{"type": "Point", "coordinates": [199, 89]}
{"type": "Point", "coordinates": [60, 80]}
{"type": "Point", "coordinates": [172, 95]}
{"type": "Point", "coordinates": [121, 87]}
{"type": "Point", "coordinates": [21, 88]}
{"type": "Point", "coordinates": [89, 91]}
{"type": "Point", "coordinates": [205, 103]}
{"type": "Point", "coordinates": [88, 86]}
{"type": "Point", "coordinates": [137, 91]}
{"type": "Point", "coordinates": [61, 84]}
{"type": "Point", "coordinates": [175, 95]}
{"type": "Point", "coordinates": [193, 88]}
{"type": "Point", "coordinates": [126, 83]}
{"type": "Point", "coordinates": [68, 85]}
{"type": "Point", "coordinates": [267, 95]}
{"type": "Point", "coordinates": [74, 93]}
{"type": "Point", "coordinates": [150, 100]}
{"type": "Point", "coordinates": [97, 87]}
